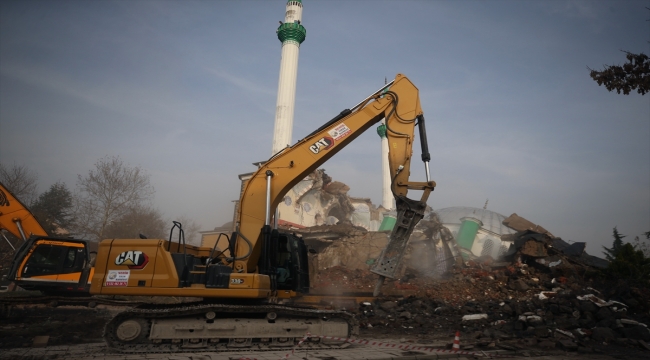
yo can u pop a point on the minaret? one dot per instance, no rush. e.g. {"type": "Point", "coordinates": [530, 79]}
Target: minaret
{"type": "Point", "coordinates": [291, 33]}
{"type": "Point", "coordinates": [387, 199]}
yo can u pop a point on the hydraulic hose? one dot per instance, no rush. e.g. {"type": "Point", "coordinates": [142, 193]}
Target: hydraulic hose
{"type": "Point", "coordinates": [250, 249]}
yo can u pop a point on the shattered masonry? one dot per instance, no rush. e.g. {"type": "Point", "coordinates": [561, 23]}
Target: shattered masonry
{"type": "Point", "coordinates": [317, 200]}
{"type": "Point", "coordinates": [343, 231]}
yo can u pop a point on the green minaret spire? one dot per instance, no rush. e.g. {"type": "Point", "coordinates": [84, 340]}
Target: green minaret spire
{"type": "Point", "coordinates": [292, 32]}
{"type": "Point", "coordinates": [381, 131]}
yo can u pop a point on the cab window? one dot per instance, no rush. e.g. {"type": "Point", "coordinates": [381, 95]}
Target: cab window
{"type": "Point", "coordinates": [52, 259]}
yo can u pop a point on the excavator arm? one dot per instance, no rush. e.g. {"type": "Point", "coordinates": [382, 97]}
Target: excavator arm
{"type": "Point", "coordinates": [16, 218]}
{"type": "Point", "coordinates": [399, 104]}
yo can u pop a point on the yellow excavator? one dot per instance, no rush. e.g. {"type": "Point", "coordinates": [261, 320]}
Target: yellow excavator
{"type": "Point", "coordinates": [16, 218]}
{"type": "Point", "coordinates": [252, 281]}
{"type": "Point", "coordinates": [53, 265]}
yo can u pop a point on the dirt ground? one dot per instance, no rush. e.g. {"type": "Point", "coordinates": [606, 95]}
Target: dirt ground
{"type": "Point", "coordinates": [64, 325]}
{"type": "Point", "coordinates": [413, 310]}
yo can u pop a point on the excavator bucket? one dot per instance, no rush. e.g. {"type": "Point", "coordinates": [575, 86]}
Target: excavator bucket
{"type": "Point", "coordinates": [409, 213]}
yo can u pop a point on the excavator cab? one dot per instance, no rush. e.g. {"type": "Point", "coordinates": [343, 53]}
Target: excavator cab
{"type": "Point", "coordinates": [52, 265]}
{"type": "Point", "coordinates": [54, 259]}
{"type": "Point", "coordinates": [283, 259]}
{"type": "Point", "coordinates": [292, 270]}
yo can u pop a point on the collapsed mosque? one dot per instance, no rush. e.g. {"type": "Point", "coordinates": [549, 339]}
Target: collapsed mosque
{"type": "Point", "coordinates": [351, 232]}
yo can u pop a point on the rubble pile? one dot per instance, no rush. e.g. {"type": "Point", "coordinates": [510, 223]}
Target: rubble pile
{"type": "Point", "coordinates": [343, 244]}
{"type": "Point", "coordinates": [318, 200]}
{"type": "Point", "coordinates": [542, 294]}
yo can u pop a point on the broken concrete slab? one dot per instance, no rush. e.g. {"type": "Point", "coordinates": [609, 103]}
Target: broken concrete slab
{"type": "Point", "coordinates": [519, 285]}
{"type": "Point", "coordinates": [472, 317]}
{"type": "Point", "coordinates": [575, 249]}
{"type": "Point", "coordinates": [534, 249]}
{"type": "Point", "coordinates": [550, 261]}
{"type": "Point", "coordinates": [519, 223]}
{"type": "Point", "coordinates": [355, 252]}
{"type": "Point", "coordinates": [599, 302]}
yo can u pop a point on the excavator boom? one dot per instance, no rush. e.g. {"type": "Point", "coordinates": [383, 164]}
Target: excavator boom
{"type": "Point", "coordinates": [398, 102]}
{"type": "Point", "coordinates": [16, 217]}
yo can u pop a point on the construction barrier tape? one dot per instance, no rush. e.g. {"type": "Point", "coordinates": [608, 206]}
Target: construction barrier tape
{"type": "Point", "coordinates": [288, 355]}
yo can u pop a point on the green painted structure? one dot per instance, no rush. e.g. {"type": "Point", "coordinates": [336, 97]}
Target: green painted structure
{"type": "Point", "coordinates": [381, 131]}
{"type": "Point", "coordinates": [388, 223]}
{"type": "Point", "coordinates": [292, 32]}
{"type": "Point", "coordinates": [469, 227]}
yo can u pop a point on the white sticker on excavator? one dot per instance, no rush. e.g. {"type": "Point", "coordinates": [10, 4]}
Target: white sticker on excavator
{"type": "Point", "coordinates": [118, 277]}
{"type": "Point", "coordinates": [339, 132]}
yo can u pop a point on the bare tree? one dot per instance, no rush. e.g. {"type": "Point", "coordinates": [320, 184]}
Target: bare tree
{"type": "Point", "coordinates": [643, 245]}
{"type": "Point", "coordinates": [138, 220]}
{"type": "Point", "coordinates": [107, 193]}
{"type": "Point", "coordinates": [20, 181]}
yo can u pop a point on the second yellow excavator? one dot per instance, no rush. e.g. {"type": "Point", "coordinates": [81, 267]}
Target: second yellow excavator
{"type": "Point", "coordinates": [53, 265]}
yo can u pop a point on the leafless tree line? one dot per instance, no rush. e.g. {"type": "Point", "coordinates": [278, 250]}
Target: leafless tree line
{"type": "Point", "coordinates": [113, 200]}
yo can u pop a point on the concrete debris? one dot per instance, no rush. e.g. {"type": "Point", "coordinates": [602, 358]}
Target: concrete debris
{"type": "Point", "coordinates": [334, 249]}
{"type": "Point", "coordinates": [632, 322]}
{"type": "Point", "coordinates": [550, 261]}
{"type": "Point", "coordinates": [518, 223]}
{"type": "Point", "coordinates": [546, 294]}
{"type": "Point", "coordinates": [318, 200]}
{"type": "Point", "coordinates": [540, 251]}
{"type": "Point", "coordinates": [516, 305]}
{"type": "Point", "coordinates": [534, 241]}
{"type": "Point", "coordinates": [474, 317]}
{"type": "Point", "coordinates": [534, 249]}
{"type": "Point", "coordinates": [575, 249]}
{"type": "Point", "coordinates": [599, 302]}
{"type": "Point", "coordinates": [432, 250]}
{"type": "Point", "coordinates": [331, 232]}
{"type": "Point", "coordinates": [565, 333]}
{"type": "Point", "coordinates": [537, 292]}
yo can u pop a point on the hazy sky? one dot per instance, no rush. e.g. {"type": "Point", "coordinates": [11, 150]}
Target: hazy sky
{"type": "Point", "coordinates": [187, 91]}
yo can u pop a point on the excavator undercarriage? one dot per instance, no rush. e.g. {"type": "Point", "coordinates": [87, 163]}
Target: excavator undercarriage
{"type": "Point", "coordinates": [224, 327]}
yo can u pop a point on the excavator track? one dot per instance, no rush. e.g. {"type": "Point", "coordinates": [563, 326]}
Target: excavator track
{"type": "Point", "coordinates": [88, 301]}
{"type": "Point", "coordinates": [224, 327]}
{"type": "Point", "coordinates": [8, 303]}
